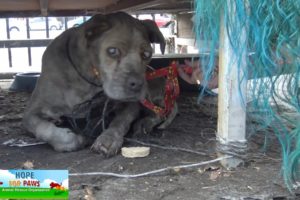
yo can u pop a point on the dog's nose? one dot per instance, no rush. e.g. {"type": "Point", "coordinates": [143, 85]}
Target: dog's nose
{"type": "Point", "coordinates": [135, 83]}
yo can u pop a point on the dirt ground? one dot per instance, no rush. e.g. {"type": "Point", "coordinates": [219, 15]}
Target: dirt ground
{"type": "Point", "coordinates": [194, 129]}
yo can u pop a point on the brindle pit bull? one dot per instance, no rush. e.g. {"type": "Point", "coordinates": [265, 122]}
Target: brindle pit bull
{"type": "Point", "coordinates": [107, 53]}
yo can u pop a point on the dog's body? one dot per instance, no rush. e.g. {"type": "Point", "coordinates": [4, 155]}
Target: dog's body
{"type": "Point", "coordinates": [109, 54]}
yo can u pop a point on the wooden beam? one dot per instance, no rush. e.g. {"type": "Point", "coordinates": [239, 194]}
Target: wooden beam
{"type": "Point", "coordinates": [31, 8]}
{"type": "Point", "coordinates": [54, 5]}
{"type": "Point", "coordinates": [79, 4]}
{"type": "Point", "coordinates": [44, 7]}
{"type": "Point", "coordinates": [17, 5]}
{"type": "Point", "coordinates": [130, 5]}
{"type": "Point", "coordinates": [56, 13]}
{"type": "Point", "coordinates": [24, 43]}
{"type": "Point", "coordinates": [231, 134]}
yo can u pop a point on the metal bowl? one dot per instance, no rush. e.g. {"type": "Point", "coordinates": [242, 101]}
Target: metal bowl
{"type": "Point", "coordinates": [24, 82]}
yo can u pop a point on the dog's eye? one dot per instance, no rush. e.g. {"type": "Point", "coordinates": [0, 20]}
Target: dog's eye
{"type": "Point", "coordinates": [113, 52]}
{"type": "Point", "coordinates": [146, 55]}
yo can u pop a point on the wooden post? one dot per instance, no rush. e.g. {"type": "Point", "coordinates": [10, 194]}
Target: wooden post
{"type": "Point", "coordinates": [231, 134]}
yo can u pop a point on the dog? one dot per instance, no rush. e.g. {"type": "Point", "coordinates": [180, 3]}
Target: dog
{"type": "Point", "coordinates": [106, 55]}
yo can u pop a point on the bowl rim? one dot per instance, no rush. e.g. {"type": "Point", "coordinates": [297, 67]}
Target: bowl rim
{"type": "Point", "coordinates": [28, 74]}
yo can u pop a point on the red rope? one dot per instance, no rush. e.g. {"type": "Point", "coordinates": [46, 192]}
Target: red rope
{"type": "Point", "coordinates": [171, 89]}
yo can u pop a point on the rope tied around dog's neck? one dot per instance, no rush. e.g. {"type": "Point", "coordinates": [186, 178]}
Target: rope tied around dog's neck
{"type": "Point", "coordinates": [94, 70]}
{"type": "Point", "coordinates": [171, 89]}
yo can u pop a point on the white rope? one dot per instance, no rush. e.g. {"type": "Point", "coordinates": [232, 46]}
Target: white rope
{"type": "Point", "coordinates": [149, 172]}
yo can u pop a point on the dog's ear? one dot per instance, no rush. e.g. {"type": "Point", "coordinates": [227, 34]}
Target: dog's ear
{"type": "Point", "coordinates": [154, 34]}
{"type": "Point", "coordinates": [95, 26]}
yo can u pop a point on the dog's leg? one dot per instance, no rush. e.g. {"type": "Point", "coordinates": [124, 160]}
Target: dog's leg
{"type": "Point", "coordinates": [110, 141]}
{"type": "Point", "coordinates": [147, 124]}
{"type": "Point", "coordinates": [151, 121]}
{"type": "Point", "coordinates": [62, 139]}
{"type": "Point", "coordinates": [170, 118]}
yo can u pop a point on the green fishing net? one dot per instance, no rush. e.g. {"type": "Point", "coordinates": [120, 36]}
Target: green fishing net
{"type": "Point", "coordinates": [273, 61]}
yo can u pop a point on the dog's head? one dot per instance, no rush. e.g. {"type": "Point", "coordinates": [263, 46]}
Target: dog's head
{"type": "Point", "coordinates": [120, 46]}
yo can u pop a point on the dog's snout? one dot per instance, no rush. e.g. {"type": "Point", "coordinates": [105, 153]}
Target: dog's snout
{"type": "Point", "coordinates": [135, 83]}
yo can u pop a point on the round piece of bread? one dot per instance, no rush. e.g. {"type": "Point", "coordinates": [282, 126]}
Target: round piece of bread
{"type": "Point", "coordinates": [135, 152]}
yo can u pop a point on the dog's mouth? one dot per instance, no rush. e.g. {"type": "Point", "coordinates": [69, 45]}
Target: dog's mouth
{"type": "Point", "coordinates": [127, 98]}
{"type": "Point", "coordinates": [125, 87]}
{"type": "Point", "coordinates": [122, 93]}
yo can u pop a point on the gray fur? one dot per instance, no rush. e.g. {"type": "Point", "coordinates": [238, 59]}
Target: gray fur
{"type": "Point", "coordinates": [67, 70]}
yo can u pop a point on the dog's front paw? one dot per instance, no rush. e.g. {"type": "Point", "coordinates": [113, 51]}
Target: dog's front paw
{"type": "Point", "coordinates": [141, 127]}
{"type": "Point", "coordinates": [108, 143]}
{"type": "Point", "coordinates": [63, 139]}
{"type": "Point", "coordinates": [146, 125]}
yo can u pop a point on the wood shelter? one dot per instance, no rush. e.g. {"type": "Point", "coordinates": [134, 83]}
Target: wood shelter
{"type": "Point", "coordinates": [14, 8]}
{"type": "Point", "coordinates": [231, 123]}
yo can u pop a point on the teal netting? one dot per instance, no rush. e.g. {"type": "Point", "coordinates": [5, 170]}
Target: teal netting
{"type": "Point", "coordinates": [273, 49]}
